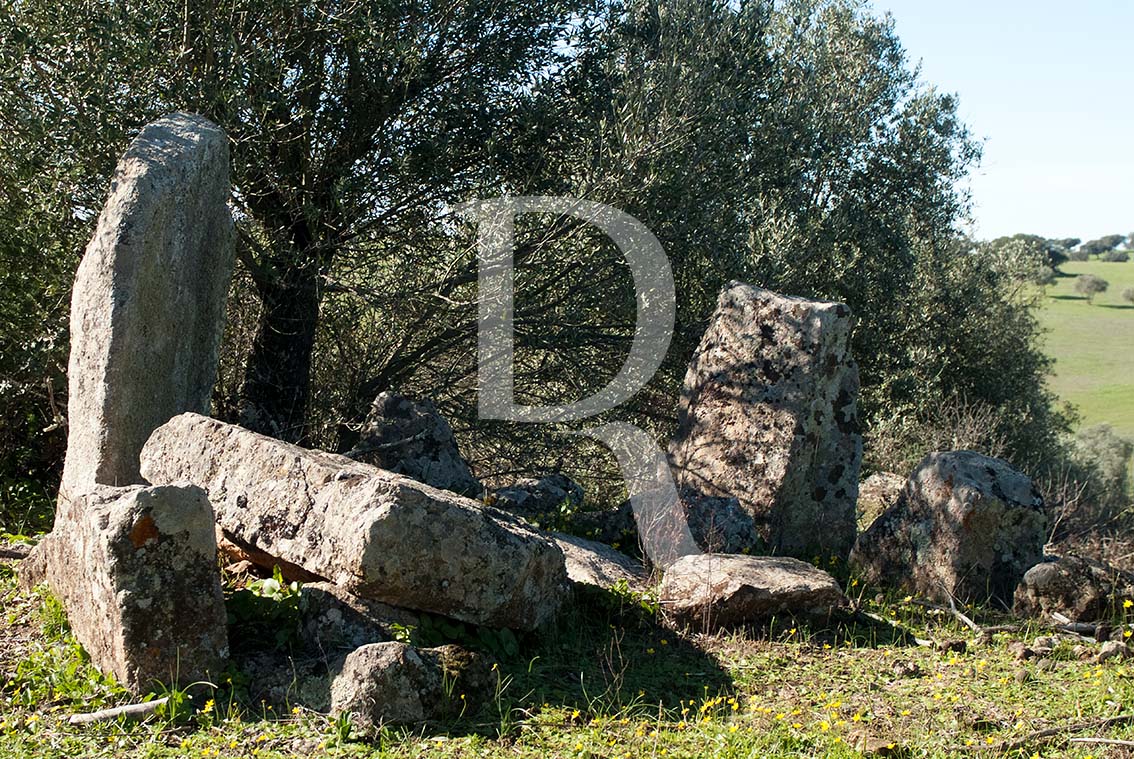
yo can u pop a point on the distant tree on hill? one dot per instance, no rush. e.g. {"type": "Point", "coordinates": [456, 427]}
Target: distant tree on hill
{"type": "Point", "coordinates": [1089, 285]}
{"type": "Point", "coordinates": [1103, 244]}
{"type": "Point", "coordinates": [1067, 243]}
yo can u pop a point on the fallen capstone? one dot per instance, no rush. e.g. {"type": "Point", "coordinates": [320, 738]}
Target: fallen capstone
{"type": "Point", "coordinates": [412, 438]}
{"type": "Point", "coordinates": [593, 563]}
{"type": "Point", "coordinates": [768, 415]}
{"type": "Point", "coordinates": [966, 526]}
{"type": "Point", "coordinates": [136, 569]}
{"type": "Point", "coordinates": [377, 534]}
{"type": "Point", "coordinates": [1081, 589]}
{"type": "Point", "coordinates": [708, 592]}
{"type": "Point", "coordinates": [148, 303]}
{"type": "Point", "coordinates": [395, 684]}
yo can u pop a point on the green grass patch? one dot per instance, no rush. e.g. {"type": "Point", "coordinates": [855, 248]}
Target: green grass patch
{"type": "Point", "coordinates": [1093, 345]}
{"type": "Point", "coordinates": [609, 681]}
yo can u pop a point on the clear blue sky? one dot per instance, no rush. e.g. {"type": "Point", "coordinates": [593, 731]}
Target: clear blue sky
{"type": "Point", "coordinates": [1049, 88]}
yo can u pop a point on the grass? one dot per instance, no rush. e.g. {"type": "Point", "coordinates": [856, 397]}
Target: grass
{"type": "Point", "coordinates": [1093, 345]}
{"type": "Point", "coordinates": [610, 681]}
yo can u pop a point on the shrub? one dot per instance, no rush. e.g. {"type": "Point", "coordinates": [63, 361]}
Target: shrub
{"type": "Point", "coordinates": [1089, 285]}
{"type": "Point", "coordinates": [1128, 295]}
{"type": "Point", "coordinates": [1079, 255]}
{"type": "Point", "coordinates": [1115, 257]}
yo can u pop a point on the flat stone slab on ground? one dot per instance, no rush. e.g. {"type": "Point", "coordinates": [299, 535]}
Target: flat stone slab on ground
{"type": "Point", "coordinates": [713, 591]}
{"type": "Point", "coordinates": [377, 534]}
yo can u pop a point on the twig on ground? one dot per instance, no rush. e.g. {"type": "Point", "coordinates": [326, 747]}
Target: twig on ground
{"type": "Point", "coordinates": [129, 711]}
{"type": "Point", "coordinates": [1048, 734]}
{"type": "Point", "coordinates": [1106, 741]}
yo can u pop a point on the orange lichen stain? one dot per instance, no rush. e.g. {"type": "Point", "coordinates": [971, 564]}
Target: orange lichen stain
{"type": "Point", "coordinates": [143, 531]}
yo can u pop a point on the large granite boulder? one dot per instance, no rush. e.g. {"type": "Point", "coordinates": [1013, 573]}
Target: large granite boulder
{"type": "Point", "coordinates": [768, 416]}
{"type": "Point", "coordinates": [411, 437]}
{"type": "Point", "coordinates": [966, 526]}
{"type": "Point", "coordinates": [147, 307]}
{"type": "Point", "coordinates": [136, 570]}
{"type": "Point", "coordinates": [377, 534]}
{"type": "Point", "coordinates": [712, 591]}
{"type": "Point", "coordinates": [138, 578]}
{"type": "Point", "coordinates": [1084, 590]}
{"type": "Point", "coordinates": [394, 684]}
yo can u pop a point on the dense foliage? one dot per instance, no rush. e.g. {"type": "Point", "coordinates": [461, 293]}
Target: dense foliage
{"type": "Point", "coordinates": [790, 144]}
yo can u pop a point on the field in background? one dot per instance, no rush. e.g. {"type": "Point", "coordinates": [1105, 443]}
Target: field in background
{"type": "Point", "coordinates": [1093, 345]}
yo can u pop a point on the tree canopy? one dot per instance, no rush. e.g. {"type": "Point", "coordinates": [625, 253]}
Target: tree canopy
{"type": "Point", "coordinates": [790, 144]}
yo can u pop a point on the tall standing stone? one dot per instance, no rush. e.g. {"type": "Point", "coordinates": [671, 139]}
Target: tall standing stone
{"type": "Point", "coordinates": [768, 415]}
{"type": "Point", "coordinates": [136, 566]}
{"type": "Point", "coordinates": [147, 307]}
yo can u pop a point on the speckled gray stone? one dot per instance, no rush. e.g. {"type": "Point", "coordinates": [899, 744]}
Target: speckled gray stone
{"type": "Point", "coordinates": [147, 307]}
{"type": "Point", "coordinates": [377, 534]}
{"type": "Point", "coordinates": [768, 415]}
{"type": "Point", "coordinates": [966, 525]}
{"type": "Point", "coordinates": [136, 569]}
{"type": "Point", "coordinates": [710, 591]}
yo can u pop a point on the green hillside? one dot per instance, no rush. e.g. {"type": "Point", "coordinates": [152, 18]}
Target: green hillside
{"type": "Point", "coordinates": [1093, 344]}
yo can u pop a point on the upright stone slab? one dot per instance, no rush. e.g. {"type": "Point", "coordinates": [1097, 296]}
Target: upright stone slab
{"type": "Point", "coordinates": [377, 534]}
{"type": "Point", "coordinates": [147, 307]}
{"type": "Point", "coordinates": [412, 438]}
{"type": "Point", "coordinates": [136, 570]}
{"type": "Point", "coordinates": [136, 567]}
{"type": "Point", "coordinates": [768, 415]}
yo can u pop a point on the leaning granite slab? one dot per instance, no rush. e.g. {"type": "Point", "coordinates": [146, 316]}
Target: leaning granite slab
{"type": "Point", "coordinates": [768, 415]}
{"type": "Point", "coordinates": [377, 534]}
{"type": "Point", "coordinates": [593, 563]}
{"type": "Point", "coordinates": [136, 569]}
{"type": "Point", "coordinates": [966, 526]}
{"type": "Point", "coordinates": [715, 591]}
{"type": "Point", "coordinates": [147, 307]}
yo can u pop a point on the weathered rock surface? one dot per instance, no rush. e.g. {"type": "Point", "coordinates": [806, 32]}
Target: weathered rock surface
{"type": "Point", "coordinates": [377, 534]}
{"type": "Point", "coordinates": [392, 683]}
{"type": "Point", "coordinates": [540, 499]}
{"type": "Point", "coordinates": [711, 591]}
{"type": "Point", "coordinates": [719, 525]}
{"type": "Point", "coordinates": [966, 525]}
{"type": "Point", "coordinates": [136, 569]}
{"type": "Point", "coordinates": [768, 416]}
{"type": "Point", "coordinates": [592, 563]}
{"type": "Point", "coordinates": [411, 437]}
{"type": "Point", "coordinates": [333, 620]}
{"type": "Point", "coordinates": [877, 493]}
{"type": "Point", "coordinates": [1081, 589]}
{"type": "Point", "coordinates": [147, 307]}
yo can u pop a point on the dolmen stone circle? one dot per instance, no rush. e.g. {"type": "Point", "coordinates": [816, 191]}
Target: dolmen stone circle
{"type": "Point", "coordinates": [767, 456]}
